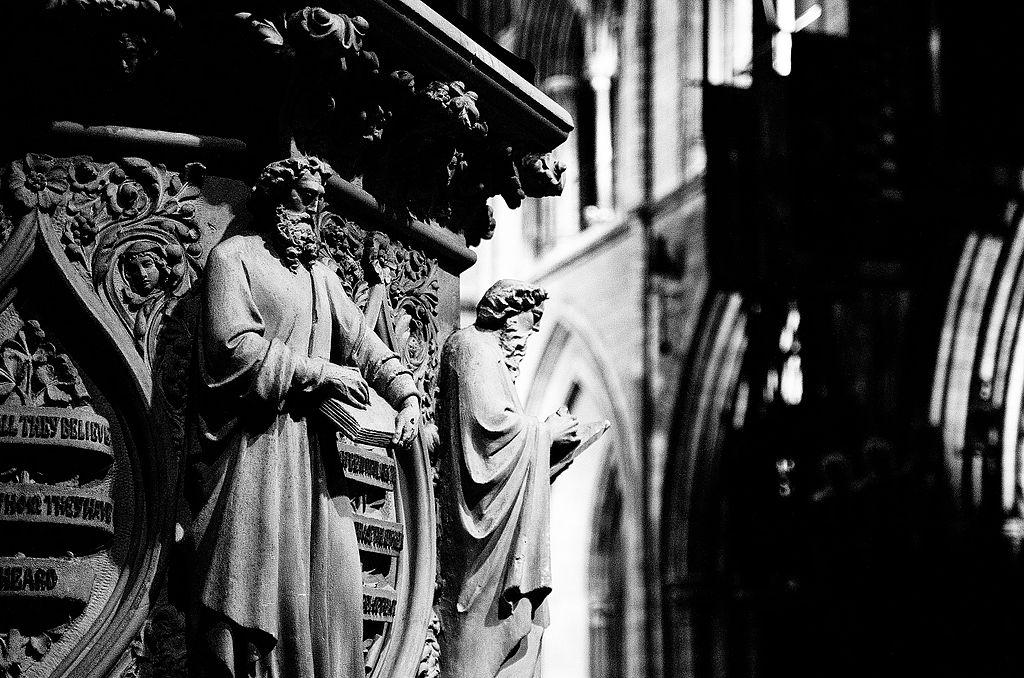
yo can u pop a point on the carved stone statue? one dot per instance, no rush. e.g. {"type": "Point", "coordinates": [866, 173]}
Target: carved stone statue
{"type": "Point", "coordinates": [496, 467]}
{"type": "Point", "coordinates": [276, 581]}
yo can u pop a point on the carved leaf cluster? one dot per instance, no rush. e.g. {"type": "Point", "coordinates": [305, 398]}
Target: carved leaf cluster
{"type": "Point", "coordinates": [159, 649]}
{"type": "Point", "coordinates": [430, 663]}
{"type": "Point", "coordinates": [129, 33]}
{"type": "Point", "coordinates": [33, 373]}
{"type": "Point", "coordinates": [542, 175]}
{"type": "Point", "coordinates": [363, 259]}
{"type": "Point", "coordinates": [5, 226]}
{"type": "Point", "coordinates": [414, 296]}
{"type": "Point", "coordinates": [424, 151]}
{"type": "Point", "coordinates": [326, 64]}
{"type": "Point", "coordinates": [343, 242]}
{"type": "Point", "coordinates": [439, 162]}
{"type": "Point", "coordinates": [19, 652]}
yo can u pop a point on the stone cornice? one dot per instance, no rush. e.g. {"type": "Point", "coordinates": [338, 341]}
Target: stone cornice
{"type": "Point", "coordinates": [521, 111]}
{"type": "Point", "coordinates": [448, 247]}
{"type": "Point", "coordinates": [396, 98]}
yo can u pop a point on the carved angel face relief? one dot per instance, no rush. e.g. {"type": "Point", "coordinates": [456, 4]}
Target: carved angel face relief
{"type": "Point", "coordinates": [144, 272]}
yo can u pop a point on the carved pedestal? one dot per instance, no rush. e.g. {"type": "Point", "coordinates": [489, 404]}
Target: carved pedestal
{"type": "Point", "coordinates": [116, 185]}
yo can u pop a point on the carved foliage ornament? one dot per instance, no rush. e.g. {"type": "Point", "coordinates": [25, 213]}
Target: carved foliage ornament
{"type": "Point", "coordinates": [440, 163]}
{"type": "Point", "coordinates": [375, 269]}
{"type": "Point", "coordinates": [325, 63]}
{"type": "Point", "coordinates": [430, 664]}
{"type": "Point", "coordinates": [129, 227]}
{"type": "Point", "coordinates": [433, 157]}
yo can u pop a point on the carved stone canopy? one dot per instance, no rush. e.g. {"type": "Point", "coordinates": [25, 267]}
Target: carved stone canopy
{"type": "Point", "coordinates": [348, 82]}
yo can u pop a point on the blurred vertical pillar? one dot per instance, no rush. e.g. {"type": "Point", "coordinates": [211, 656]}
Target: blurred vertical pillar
{"type": "Point", "coordinates": [602, 66]}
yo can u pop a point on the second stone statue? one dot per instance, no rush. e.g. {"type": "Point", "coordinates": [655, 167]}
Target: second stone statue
{"type": "Point", "coordinates": [496, 469]}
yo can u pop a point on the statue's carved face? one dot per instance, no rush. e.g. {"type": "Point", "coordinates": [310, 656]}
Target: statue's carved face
{"type": "Point", "coordinates": [305, 196]}
{"type": "Point", "coordinates": [514, 335]}
{"type": "Point", "coordinates": [143, 272]}
{"type": "Point", "coordinates": [292, 192]}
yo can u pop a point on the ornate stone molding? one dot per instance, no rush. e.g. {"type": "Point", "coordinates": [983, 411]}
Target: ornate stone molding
{"type": "Point", "coordinates": [101, 261]}
{"type": "Point", "coordinates": [130, 228]}
{"type": "Point", "coordinates": [420, 145]}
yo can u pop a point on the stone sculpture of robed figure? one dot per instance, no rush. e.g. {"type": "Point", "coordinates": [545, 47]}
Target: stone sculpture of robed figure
{"type": "Point", "coordinates": [495, 467]}
{"type": "Point", "coordinates": [276, 577]}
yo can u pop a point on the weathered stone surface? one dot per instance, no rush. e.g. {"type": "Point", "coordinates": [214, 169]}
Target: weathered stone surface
{"type": "Point", "coordinates": [106, 234]}
{"type": "Point", "coordinates": [495, 494]}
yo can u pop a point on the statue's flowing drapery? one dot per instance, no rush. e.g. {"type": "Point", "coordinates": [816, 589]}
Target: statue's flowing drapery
{"type": "Point", "coordinates": [495, 468]}
{"type": "Point", "coordinates": [277, 576]}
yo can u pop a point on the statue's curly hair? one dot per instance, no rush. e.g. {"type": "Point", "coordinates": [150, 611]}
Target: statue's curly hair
{"type": "Point", "coordinates": [507, 298]}
{"type": "Point", "coordinates": [278, 178]}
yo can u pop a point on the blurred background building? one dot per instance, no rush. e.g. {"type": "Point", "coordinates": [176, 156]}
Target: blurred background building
{"type": "Point", "coordinates": [788, 268]}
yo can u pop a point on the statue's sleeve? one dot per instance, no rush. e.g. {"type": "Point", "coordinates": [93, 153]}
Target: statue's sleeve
{"type": "Point", "coordinates": [237, 357]}
{"type": "Point", "coordinates": [360, 346]}
{"type": "Point", "coordinates": [496, 435]}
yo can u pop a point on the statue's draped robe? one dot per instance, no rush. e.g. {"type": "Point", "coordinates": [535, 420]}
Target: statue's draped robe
{"type": "Point", "coordinates": [496, 494]}
{"type": "Point", "coordinates": [276, 576]}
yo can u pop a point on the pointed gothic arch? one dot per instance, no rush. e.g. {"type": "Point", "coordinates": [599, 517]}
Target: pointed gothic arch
{"type": "Point", "coordinates": [703, 624]}
{"type": "Point", "coordinates": [598, 503]}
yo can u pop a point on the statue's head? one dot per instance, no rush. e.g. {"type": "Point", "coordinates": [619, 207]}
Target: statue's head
{"type": "Point", "coordinates": [513, 310]}
{"type": "Point", "coordinates": [286, 200]}
{"type": "Point", "coordinates": [145, 267]}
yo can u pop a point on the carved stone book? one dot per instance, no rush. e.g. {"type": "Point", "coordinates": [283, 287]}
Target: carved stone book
{"type": "Point", "coordinates": [563, 455]}
{"type": "Point", "coordinates": [373, 426]}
